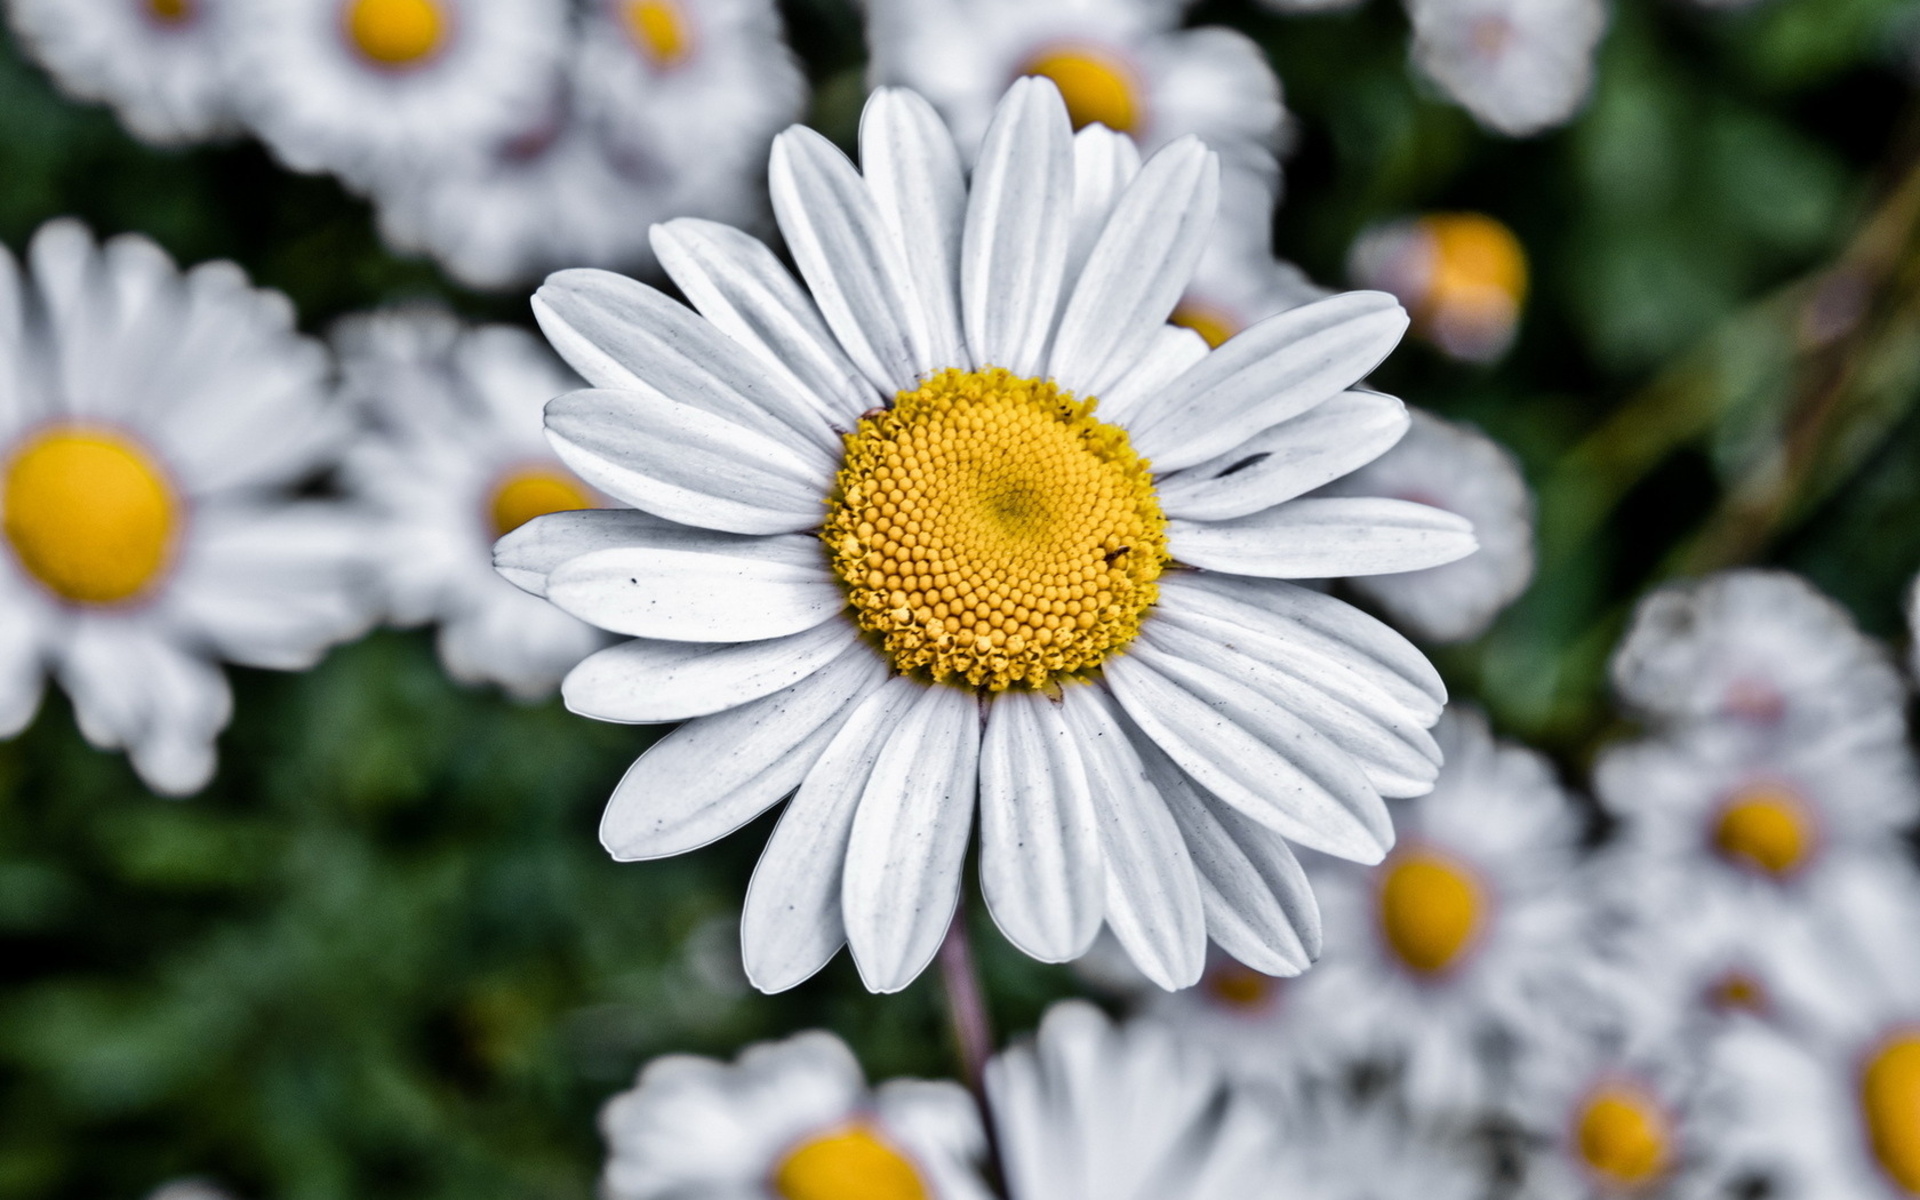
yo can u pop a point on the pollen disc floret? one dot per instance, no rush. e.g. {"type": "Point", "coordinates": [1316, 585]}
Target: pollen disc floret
{"type": "Point", "coordinates": [89, 514]}
{"type": "Point", "coordinates": [991, 530]}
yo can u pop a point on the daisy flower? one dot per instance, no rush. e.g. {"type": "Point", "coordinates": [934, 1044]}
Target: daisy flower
{"type": "Point", "coordinates": [1092, 1111]}
{"type": "Point", "coordinates": [1249, 1022]}
{"type": "Point", "coordinates": [1462, 275]}
{"type": "Point", "coordinates": [1760, 827]}
{"type": "Point", "coordinates": [1464, 940]}
{"type": "Point", "coordinates": [1340, 1150]}
{"type": "Point", "coordinates": [150, 426]}
{"type": "Point", "coordinates": [1519, 66]}
{"type": "Point", "coordinates": [666, 110]}
{"type": "Point", "coordinates": [1126, 65]}
{"type": "Point", "coordinates": [158, 63]}
{"type": "Point", "coordinates": [455, 458]}
{"type": "Point", "coordinates": [1239, 283]}
{"type": "Point", "coordinates": [790, 1120]}
{"type": "Point", "coordinates": [886, 553]}
{"type": "Point", "coordinates": [1759, 650]}
{"type": "Point", "coordinates": [369, 88]}
{"type": "Point", "coordinates": [1459, 469]}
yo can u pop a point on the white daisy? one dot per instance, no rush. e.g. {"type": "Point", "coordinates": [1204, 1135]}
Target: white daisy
{"type": "Point", "coordinates": [454, 458]}
{"type": "Point", "coordinates": [1459, 469]}
{"type": "Point", "coordinates": [158, 63]}
{"type": "Point", "coordinates": [1092, 1111]}
{"type": "Point", "coordinates": [1761, 827]}
{"type": "Point", "coordinates": [369, 88]}
{"type": "Point", "coordinates": [1468, 937]}
{"type": "Point", "coordinates": [666, 111]}
{"type": "Point", "coordinates": [1519, 66]}
{"type": "Point", "coordinates": [790, 1120]}
{"type": "Point", "coordinates": [1760, 649]}
{"type": "Point", "coordinates": [1123, 64]}
{"type": "Point", "coordinates": [880, 517]}
{"type": "Point", "coordinates": [150, 423]}
{"type": "Point", "coordinates": [1340, 1150]}
{"type": "Point", "coordinates": [1249, 1022]}
{"type": "Point", "coordinates": [1462, 275]}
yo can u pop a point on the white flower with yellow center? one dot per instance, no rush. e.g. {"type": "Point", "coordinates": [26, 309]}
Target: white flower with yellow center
{"type": "Point", "coordinates": [1249, 1022]}
{"type": "Point", "coordinates": [150, 425]}
{"type": "Point", "coordinates": [1459, 469]}
{"type": "Point", "coordinates": [667, 110]}
{"type": "Point", "coordinates": [1123, 64]}
{"type": "Point", "coordinates": [1519, 66]}
{"type": "Point", "coordinates": [1088, 1110]}
{"type": "Point", "coordinates": [1721, 819]}
{"type": "Point", "coordinates": [790, 1120]}
{"type": "Point", "coordinates": [1759, 650]}
{"type": "Point", "coordinates": [158, 63]}
{"type": "Point", "coordinates": [1467, 937]}
{"type": "Point", "coordinates": [1463, 276]}
{"type": "Point", "coordinates": [368, 89]}
{"type": "Point", "coordinates": [454, 459]}
{"type": "Point", "coordinates": [971, 526]}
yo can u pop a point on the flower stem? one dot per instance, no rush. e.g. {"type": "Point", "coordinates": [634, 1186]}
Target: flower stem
{"type": "Point", "coordinates": [972, 1028]}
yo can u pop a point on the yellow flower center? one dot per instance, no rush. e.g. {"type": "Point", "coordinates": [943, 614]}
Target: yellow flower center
{"type": "Point", "coordinates": [1737, 991]}
{"type": "Point", "coordinates": [1098, 88]}
{"type": "Point", "coordinates": [89, 514]}
{"type": "Point", "coordinates": [1622, 1134]}
{"type": "Point", "coordinates": [1430, 909]}
{"type": "Point", "coordinates": [1237, 986]}
{"type": "Point", "coordinates": [990, 530]}
{"type": "Point", "coordinates": [396, 33]}
{"type": "Point", "coordinates": [848, 1164]}
{"type": "Point", "coordinates": [1890, 1105]}
{"type": "Point", "coordinates": [534, 492]}
{"type": "Point", "coordinates": [1477, 263]}
{"type": "Point", "coordinates": [1767, 828]}
{"type": "Point", "coordinates": [1209, 322]}
{"type": "Point", "coordinates": [170, 12]}
{"type": "Point", "coordinates": [659, 28]}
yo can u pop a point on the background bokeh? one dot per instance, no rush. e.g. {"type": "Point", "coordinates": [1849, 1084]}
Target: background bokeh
{"type": "Point", "coordinates": [384, 956]}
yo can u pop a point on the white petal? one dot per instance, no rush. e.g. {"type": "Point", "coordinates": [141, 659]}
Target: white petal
{"type": "Point", "coordinates": [687, 465]}
{"type": "Point", "coordinates": [1138, 269]}
{"type": "Point", "coordinates": [645, 682]}
{"type": "Point", "coordinates": [913, 169]}
{"type": "Point", "coordinates": [1153, 899]}
{"type": "Point", "coordinates": [1170, 351]}
{"type": "Point", "coordinates": [1325, 641]}
{"type": "Point", "coordinates": [1325, 539]}
{"type": "Point", "coordinates": [1398, 755]}
{"type": "Point", "coordinates": [910, 838]}
{"type": "Point", "coordinates": [737, 283]}
{"type": "Point", "coordinates": [1040, 865]}
{"type": "Point", "coordinates": [850, 261]}
{"type": "Point", "coordinates": [620, 333]}
{"type": "Point", "coordinates": [1275, 369]}
{"type": "Point", "coordinates": [792, 923]}
{"type": "Point", "coordinates": [1013, 258]}
{"type": "Point", "coordinates": [1259, 906]}
{"type": "Point", "coordinates": [530, 553]}
{"type": "Point", "coordinates": [1104, 163]}
{"type": "Point", "coordinates": [1288, 460]}
{"type": "Point", "coordinates": [711, 776]}
{"type": "Point", "coordinates": [1253, 754]}
{"type": "Point", "coordinates": [695, 588]}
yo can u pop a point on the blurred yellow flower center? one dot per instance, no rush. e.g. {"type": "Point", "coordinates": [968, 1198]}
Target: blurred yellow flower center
{"type": "Point", "coordinates": [659, 28]}
{"type": "Point", "coordinates": [170, 12]}
{"type": "Point", "coordinates": [89, 514]}
{"type": "Point", "coordinates": [1477, 262]}
{"type": "Point", "coordinates": [535, 492]}
{"type": "Point", "coordinates": [396, 33]}
{"type": "Point", "coordinates": [1430, 909]}
{"type": "Point", "coordinates": [991, 531]}
{"type": "Point", "coordinates": [1737, 991]}
{"type": "Point", "coordinates": [1890, 1104]}
{"type": "Point", "coordinates": [1765, 827]}
{"type": "Point", "coordinates": [1623, 1135]}
{"type": "Point", "coordinates": [849, 1164]}
{"type": "Point", "coordinates": [1210, 323]}
{"type": "Point", "coordinates": [1097, 87]}
{"type": "Point", "coordinates": [1237, 986]}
